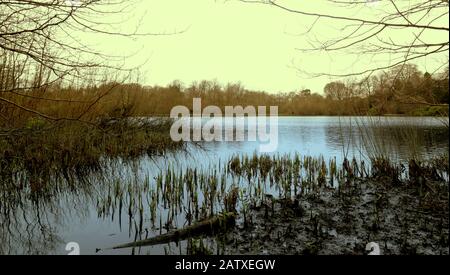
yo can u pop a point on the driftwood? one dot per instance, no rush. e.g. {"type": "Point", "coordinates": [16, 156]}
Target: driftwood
{"type": "Point", "coordinates": [214, 225]}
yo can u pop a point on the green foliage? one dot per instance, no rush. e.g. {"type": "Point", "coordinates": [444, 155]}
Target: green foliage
{"type": "Point", "coordinates": [431, 111]}
{"type": "Point", "coordinates": [35, 123]}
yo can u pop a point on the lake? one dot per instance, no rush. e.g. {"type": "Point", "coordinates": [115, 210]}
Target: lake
{"type": "Point", "coordinates": [91, 215]}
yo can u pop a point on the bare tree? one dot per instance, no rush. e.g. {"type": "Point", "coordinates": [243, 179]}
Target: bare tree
{"type": "Point", "coordinates": [405, 31]}
{"type": "Point", "coordinates": [425, 24]}
{"type": "Point", "coordinates": [39, 45]}
{"type": "Point", "coordinates": [336, 90]}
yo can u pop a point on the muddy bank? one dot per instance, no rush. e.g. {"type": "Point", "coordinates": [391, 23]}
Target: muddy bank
{"type": "Point", "coordinates": [403, 218]}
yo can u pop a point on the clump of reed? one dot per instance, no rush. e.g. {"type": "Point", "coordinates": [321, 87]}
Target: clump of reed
{"type": "Point", "coordinates": [380, 139]}
{"type": "Point", "coordinates": [383, 138]}
{"type": "Point", "coordinates": [36, 156]}
{"type": "Point", "coordinates": [177, 196]}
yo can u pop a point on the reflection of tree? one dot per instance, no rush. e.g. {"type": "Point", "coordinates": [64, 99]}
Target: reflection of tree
{"type": "Point", "coordinates": [31, 223]}
{"type": "Point", "coordinates": [34, 221]}
{"type": "Point", "coordinates": [26, 230]}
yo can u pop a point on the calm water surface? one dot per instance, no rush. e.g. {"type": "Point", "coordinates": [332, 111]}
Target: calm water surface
{"type": "Point", "coordinates": [46, 227]}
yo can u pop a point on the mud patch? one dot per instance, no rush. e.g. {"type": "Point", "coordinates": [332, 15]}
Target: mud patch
{"type": "Point", "coordinates": [402, 218]}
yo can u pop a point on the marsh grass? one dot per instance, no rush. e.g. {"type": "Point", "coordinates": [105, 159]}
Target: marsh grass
{"type": "Point", "coordinates": [178, 197]}
{"type": "Point", "coordinates": [381, 138]}
{"type": "Point", "coordinates": [146, 205]}
{"type": "Point", "coordinates": [374, 141]}
{"type": "Point", "coordinates": [36, 156]}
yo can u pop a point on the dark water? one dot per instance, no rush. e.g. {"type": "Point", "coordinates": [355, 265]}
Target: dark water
{"type": "Point", "coordinates": [79, 216]}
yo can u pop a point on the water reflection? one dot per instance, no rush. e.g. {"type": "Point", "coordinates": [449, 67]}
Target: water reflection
{"type": "Point", "coordinates": [118, 206]}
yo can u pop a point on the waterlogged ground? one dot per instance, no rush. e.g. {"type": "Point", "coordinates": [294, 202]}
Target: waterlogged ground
{"type": "Point", "coordinates": [343, 222]}
{"type": "Point", "coordinates": [152, 196]}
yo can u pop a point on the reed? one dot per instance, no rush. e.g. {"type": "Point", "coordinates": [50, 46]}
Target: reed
{"type": "Point", "coordinates": [246, 182]}
{"type": "Point", "coordinates": [41, 154]}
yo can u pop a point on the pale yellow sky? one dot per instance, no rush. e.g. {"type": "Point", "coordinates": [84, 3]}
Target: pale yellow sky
{"type": "Point", "coordinates": [254, 44]}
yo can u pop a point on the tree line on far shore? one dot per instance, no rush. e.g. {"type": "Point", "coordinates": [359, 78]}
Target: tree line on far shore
{"type": "Point", "coordinates": [402, 91]}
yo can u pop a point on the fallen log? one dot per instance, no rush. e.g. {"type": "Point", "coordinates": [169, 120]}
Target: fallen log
{"type": "Point", "coordinates": [211, 226]}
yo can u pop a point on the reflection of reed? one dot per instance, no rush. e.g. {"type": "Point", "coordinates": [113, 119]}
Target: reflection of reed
{"type": "Point", "coordinates": [192, 194]}
{"type": "Point", "coordinates": [33, 219]}
{"type": "Point", "coordinates": [399, 139]}
{"type": "Point", "coordinates": [155, 203]}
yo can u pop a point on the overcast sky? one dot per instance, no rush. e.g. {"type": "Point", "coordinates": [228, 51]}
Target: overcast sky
{"type": "Point", "coordinates": [254, 44]}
